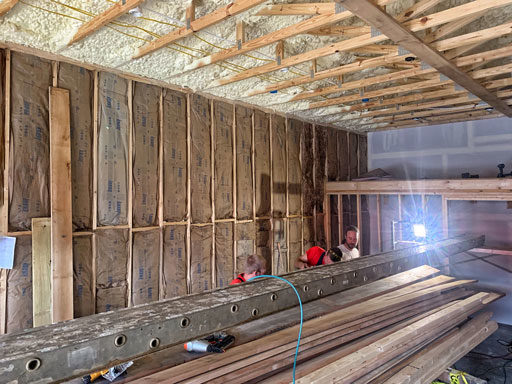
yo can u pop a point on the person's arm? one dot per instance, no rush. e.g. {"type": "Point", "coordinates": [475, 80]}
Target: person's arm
{"type": "Point", "coordinates": [302, 262]}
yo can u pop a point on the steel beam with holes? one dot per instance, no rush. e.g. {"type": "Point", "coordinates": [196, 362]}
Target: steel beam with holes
{"type": "Point", "coordinates": [73, 348]}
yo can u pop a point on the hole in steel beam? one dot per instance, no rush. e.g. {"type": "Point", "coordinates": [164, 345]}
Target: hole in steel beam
{"type": "Point", "coordinates": [320, 292]}
{"type": "Point", "coordinates": [273, 297]}
{"type": "Point", "coordinates": [33, 364]}
{"type": "Point", "coordinates": [305, 288]}
{"type": "Point", "coordinates": [120, 340]}
{"type": "Point", "coordinates": [154, 342]}
{"type": "Point", "coordinates": [255, 312]}
{"type": "Point", "coordinates": [234, 308]}
{"type": "Point", "coordinates": [185, 322]}
{"type": "Point", "coordinates": [333, 281]}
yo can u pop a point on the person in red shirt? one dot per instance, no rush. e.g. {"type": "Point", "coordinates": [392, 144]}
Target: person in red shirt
{"type": "Point", "coordinates": [255, 266]}
{"type": "Point", "coordinates": [318, 256]}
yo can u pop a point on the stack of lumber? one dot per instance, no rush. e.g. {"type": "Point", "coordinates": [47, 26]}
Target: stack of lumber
{"type": "Point", "coordinates": [406, 334]}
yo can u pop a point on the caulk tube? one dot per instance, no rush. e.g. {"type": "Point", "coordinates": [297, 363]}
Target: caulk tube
{"type": "Point", "coordinates": [198, 346]}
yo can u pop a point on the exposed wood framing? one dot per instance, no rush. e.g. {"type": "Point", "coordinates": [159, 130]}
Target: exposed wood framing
{"type": "Point", "coordinates": [213, 18]}
{"type": "Point", "coordinates": [213, 271]}
{"type": "Point", "coordinates": [60, 191]}
{"type": "Point", "coordinates": [379, 229]}
{"type": "Point", "coordinates": [189, 195]}
{"type": "Point", "coordinates": [104, 18]}
{"type": "Point", "coordinates": [298, 9]}
{"type": "Point", "coordinates": [6, 6]}
{"type": "Point", "coordinates": [359, 222]}
{"type": "Point", "coordinates": [340, 218]}
{"type": "Point", "coordinates": [161, 193]}
{"type": "Point", "coordinates": [41, 272]}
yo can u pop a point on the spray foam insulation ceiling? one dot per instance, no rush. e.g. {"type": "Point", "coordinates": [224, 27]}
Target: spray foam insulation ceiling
{"type": "Point", "coordinates": [314, 61]}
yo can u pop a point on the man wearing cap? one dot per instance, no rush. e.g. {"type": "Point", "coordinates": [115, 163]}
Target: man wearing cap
{"type": "Point", "coordinates": [318, 256]}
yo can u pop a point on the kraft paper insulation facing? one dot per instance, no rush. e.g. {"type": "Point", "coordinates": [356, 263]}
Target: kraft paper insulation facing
{"type": "Point", "coordinates": [279, 165]}
{"type": "Point", "coordinates": [224, 254]}
{"type": "Point", "coordinates": [223, 114]}
{"type": "Point", "coordinates": [146, 136]}
{"type": "Point", "coordinates": [264, 241]}
{"type": "Point", "coordinates": [113, 131]}
{"type": "Point", "coordinates": [79, 82]}
{"type": "Point", "coordinates": [294, 133]}
{"type": "Point", "coordinates": [174, 279]}
{"type": "Point", "coordinates": [200, 258]}
{"type": "Point", "coordinates": [145, 266]}
{"type": "Point", "coordinates": [353, 148]}
{"type": "Point", "coordinates": [111, 269]}
{"type": "Point", "coordinates": [307, 158]}
{"type": "Point", "coordinates": [19, 287]}
{"type": "Point", "coordinates": [244, 187]}
{"type": "Point", "coordinates": [320, 152]}
{"type": "Point", "coordinates": [365, 242]}
{"type": "Point", "coordinates": [175, 156]}
{"type": "Point", "coordinates": [363, 154]}
{"type": "Point", "coordinates": [83, 299]}
{"type": "Point", "coordinates": [200, 177]}
{"type": "Point", "coordinates": [349, 203]}
{"type": "Point", "coordinates": [30, 145]}
{"type": "Point", "coordinates": [308, 233]}
{"type": "Point", "coordinates": [295, 233]}
{"type": "Point", "coordinates": [332, 149]}
{"type": "Point", "coordinates": [262, 163]}
{"type": "Point", "coordinates": [2, 122]}
{"type": "Point", "coordinates": [280, 248]}
{"type": "Point", "coordinates": [335, 235]}
{"type": "Point", "coordinates": [245, 242]}
{"type": "Point", "coordinates": [342, 156]}
{"type": "Point", "coordinates": [321, 240]}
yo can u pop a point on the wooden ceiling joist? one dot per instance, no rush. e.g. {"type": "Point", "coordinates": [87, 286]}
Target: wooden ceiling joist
{"type": "Point", "coordinates": [337, 30]}
{"type": "Point", "coordinates": [399, 34]}
{"type": "Point", "coordinates": [417, 9]}
{"type": "Point", "coordinates": [104, 18]}
{"type": "Point", "coordinates": [451, 27]}
{"type": "Point", "coordinates": [232, 9]}
{"type": "Point", "coordinates": [298, 9]}
{"type": "Point", "coordinates": [443, 45]}
{"type": "Point", "coordinates": [6, 6]}
{"type": "Point", "coordinates": [415, 25]}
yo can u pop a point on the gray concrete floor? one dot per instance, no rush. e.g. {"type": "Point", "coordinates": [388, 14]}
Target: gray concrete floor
{"type": "Point", "coordinates": [491, 360]}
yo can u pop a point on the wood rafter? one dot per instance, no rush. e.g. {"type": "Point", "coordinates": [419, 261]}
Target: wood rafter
{"type": "Point", "coordinates": [396, 32]}
{"type": "Point", "coordinates": [6, 6]}
{"type": "Point", "coordinates": [104, 18]}
{"type": "Point", "coordinates": [298, 9]}
{"type": "Point", "coordinates": [351, 44]}
{"type": "Point", "coordinates": [196, 25]}
{"type": "Point", "coordinates": [341, 31]}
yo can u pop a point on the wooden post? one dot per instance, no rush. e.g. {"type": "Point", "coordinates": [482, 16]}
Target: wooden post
{"type": "Point", "coordinates": [287, 220]}
{"type": "Point", "coordinates": [41, 272]}
{"type": "Point", "coordinates": [94, 183]}
{"type": "Point", "coordinates": [61, 219]}
{"type": "Point", "coordinates": [327, 220]}
{"type": "Point", "coordinates": [340, 218]}
{"type": "Point", "coordinates": [235, 201]}
{"type": "Point", "coordinates": [379, 229]}
{"type": "Point", "coordinates": [161, 194]}
{"type": "Point", "coordinates": [272, 268]}
{"type": "Point", "coordinates": [359, 220]}
{"type": "Point", "coordinates": [129, 279]}
{"type": "Point", "coordinates": [212, 190]}
{"type": "Point", "coordinates": [189, 193]}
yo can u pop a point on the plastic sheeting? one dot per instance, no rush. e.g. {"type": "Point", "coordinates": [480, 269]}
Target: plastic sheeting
{"type": "Point", "coordinates": [223, 113]}
{"type": "Point", "coordinates": [262, 163]}
{"type": "Point", "coordinates": [294, 133]}
{"type": "Point", "coordinates": [79, 82]}
{"type": "Point", "coordinates": [145, 266]}
{"type": "Point", "coordinates": [113, 131]}
{"type": "Point", "coordinates": [111, 269]}
{"type": "Point", "coordinates": [200, 258]}
{"type": "Point", "coordinates": [175, 156]}
{"type": "Point", "coordinates": [83, 298]}
{"type": "Point", "coordinates": [244, 182]}
{"type": "Point", "coordinates": [30, 141]}
{"type": "Point", "coordinates": [146, 135]}
{"type": "Point", "coordinates": [174, 279]}
{"type": "Point", "coordinates": [224, 253]}
{"type": "Point", "coordinates": [200, 180]}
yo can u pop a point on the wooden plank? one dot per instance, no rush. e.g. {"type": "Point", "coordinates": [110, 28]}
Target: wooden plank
{"type": "Point", "coordinates": [451, 27]}
{"type": "Point", "coordinates": [297, 9]}
{"type": "Point", "coordinates": [232, 9]}
{"type": "Point", "coordinates": [398, 33]}
{"type": "Point", "coordinates": [41, 272]}
{"type": "Point", "coordinates": [379, 225]}
{"type": "Point", "coordinates": [60, 190]}
{"type": "Point", "coordinates": [6, 6]}
{"type": "Point", "coordinates": [213, 258]}
{"type": "Point", "coordinates": [161, 194]}
{"type": "Point", "coordinates": [336, 30]}
{"type": "Point", "coordinates": [104, 18]}
{"type": "Point", "coordinates": [417, 9]}
{"type": "Point", "coordinates": [189, 195]}
{"type": "Point", "coordinates": [360, 41]}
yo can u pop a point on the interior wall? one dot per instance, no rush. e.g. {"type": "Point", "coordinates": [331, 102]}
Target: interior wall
{"type": "Point", "coordinates": [171, 191]}
{"type": "Point", "coordinates": [447, 151]}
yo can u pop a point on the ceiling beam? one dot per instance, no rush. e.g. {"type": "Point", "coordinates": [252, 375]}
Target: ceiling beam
{"type": "Point", "coordinates": [6, 6]}
{"type": "Point", "coordinates": [360, 41]}
{"type": "Point", "coordinates": [374, 15]}
{"type": "Point", "coordinates": [103, 19]}
{"type": "Point", "coordinates": [196, 25]}
{"type": "Point", "coordinates": [298, 9]}
{"type": "Point", "coordinates": [341, 30]}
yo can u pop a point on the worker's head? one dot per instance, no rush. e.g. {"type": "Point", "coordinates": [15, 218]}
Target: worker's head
{"type": "Point", "coordinates": [333, 255]}
{"type": "Point", "coordinates": [351, 236]}
{"type": "Point", "coordinates": [255, 265]}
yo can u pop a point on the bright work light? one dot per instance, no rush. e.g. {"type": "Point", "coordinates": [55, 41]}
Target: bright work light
{"type": "Point", "coordinates": [419, 230]}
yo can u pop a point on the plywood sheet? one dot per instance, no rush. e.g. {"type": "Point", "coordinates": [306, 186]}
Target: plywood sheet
{"type": "Point", "coordinates": [175, 155]}
{"type": "Point", "coordinates": [79, 82]}
{"type": "Point", "coordinates": [113, 134]}
{"type": "Point", "coordinates": [223, 113]}
{"type": "Point", "coordinates": [146, 136]}
{"type": "Point", "coordinates": [200, 179]}
{"type": "Point", "coordinates": [262, 163]}
{"type": "Point", "coordinates": [244, 182]}
{"type": "Point", "coordinates": [174, 262]}
{"type": "Point", "coordinates": [29, 134]}
{"type": "Point", "coordinates": [224, 254]}
{"type": "Point", "coordinates": [293, 134]}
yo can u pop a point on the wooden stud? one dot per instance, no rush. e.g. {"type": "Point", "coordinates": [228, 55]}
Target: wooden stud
{"type": "Point", "coordinates": [41, 272]}
{"type": "Point", "coordinates": [129, 266]}
{"type": "Point", "coordinates": [55, 73]}
{"type": "Point", "coordinates": [189, 194]}
{"type": "Point", "coordinates": [212, 193]}
{"type": "Point", "coordinates": [240, 33]}
{"type": "Point", "coordinates": [340, 218]}
{"type": "Point", "coordinates": [297, 9]}
{"type": "Point", "coordinates": [95, 153]}
{"type": "Point", "coordinates": [273, 267]}
{"type": "Point", "coordinates": [235, 201]}
{"type": "Point", "coordinates": [61, 216]}
{"type": "Point", "coordinates": [338, 30]}
{"type": "Point", "coordinates": [253, 163]}
{"type": "Point", "coordinates": [287, 219]}
{"type": "Point", "coordinates": [359, 221]}
{"type": "Point", "coordinates": [118, 9]}
{"type": "Point", "coordinates": [190, 14]}
{"type": "Point", "coordinates": [417, 9]}
{"type": "Point", "coordinates": [279, 52]}
{"type": "Point", "coordinates": [6, 6]}
{"type": "Point", "coordinates": [161, 194]}
{"type": "Point", "coordinates": [232, 9]}
{"type": "Point", "coordinates": [379, 229]}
